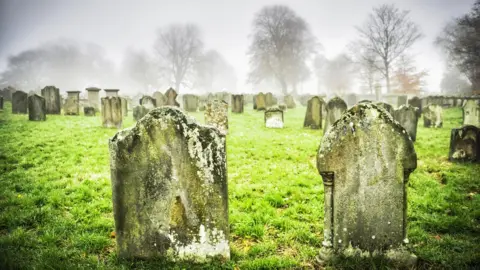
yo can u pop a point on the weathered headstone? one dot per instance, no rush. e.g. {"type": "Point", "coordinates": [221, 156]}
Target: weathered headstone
{"type": "Point", "coordinates": [1, 103]}
{"type": "Point", "coordinates": [365, 160]}
{"type": "Point", "coordinates": [72, 106]}
{"type": "Point", "coordinates": [190, 103]}
{"type": "Point", "coordinates": [289, 101]}
{"type": "Point", "coordinates": [274, 117]}
{"type": "Point", "coordinates": [416, 102]}
{"type": "Point", "coordinates": [269, 100]}
{"type": "Point", "coordinates": [407, 116]}
{"type": "Point", "coordinates": [52, 99]}
{"type": "Point", "coordinates": [402, 100]}
{"type": "Point", "coordinates": [19, 102]}
{"type": "Point", "coordinates": [170, 193]}
{"type": "Point", "coordinates": [313, 116]}
{"type": "Point", "coordinates": [111, 92]}
{"type": "Point", "coordinates": [237, 103]}
{"type": "Point", "coordinates": [160, 99]}
{"type": "Point", "coordinates": [465, 144]}
{"type": "Point", "coordinates": [139, 112]}
{"type": "Point", "coordinates": [37, 108]}
{"type": "Point", "coordinates": [216, 114]}
{"type": "Point", "coordinates": [335, 108]}
{"type": "Point", "coordinates": [259, 102]}
{"type": "Point", "coordinates": [387, 107]}
{"type": "Point", "coordinates": [93, 95]}
{"type": "Point", "coordinates": [112, 112]}
{"type": "Point", "coordinates": [148, 102]}
{"type": "Point", "coordinates": [171, 96]}
{"type": "Point", "coordinates": [124, 106]}
{"type": "Point", "coordinates": [89, 111]}
{"type": "Point", "coordinates": [7, 93]}
{"type": "Point", "coordinates": [432, 116]}
{"type": "Point", "coordinates": [471, 113]}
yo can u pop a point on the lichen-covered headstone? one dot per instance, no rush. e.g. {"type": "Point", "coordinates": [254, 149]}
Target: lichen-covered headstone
{"type": "Point", "coordinates": [112, 112]}
{"type": "Point", "coordinates": [335, 108]}
{"type": "Point", "coordinates": [52, 99]}
{"type": "Point", "coordinates": [93, 95]}
{"type": "Point", "coordinates": [432, 116]}
{"type": "Point", "coordinates": [160, 99]}
{"type": "Point", "coordinates": [72, 105]}
{"type": "Point", "coordinates": [237, 103]}
{"type": "Point", "coordinates": [19, 102]}
{"type": "Point", "coordinates": [407, 116]}
{"type": "Point", "coordinates": [139, 112]}
{"type": "Point", "coordinates": [190, 103]}
{"type": "Point", "coordinates": [289, 101]}
{"type": "Point", "coordinates": [169, 189]}
{"type": "Point", "coordinates": [387, 107]}
{"type": "Point", "coordinates": [270, 100]}
{"type": "Point", "coordinates": [471, 113]}
{"type": "Point", "coordinates": [274, 118]}
{"type": "Point", "coordinates": [216, 114]}
{"type": "Point", "coordinates": [259, 103]}
{"type": "Point", "coordinates": [171, 96]}
{"type": "Point", "coordinates": [313, 116]}
{"type": "Point", "coordinates": [37, 108]}
{"type": "Point", "coordinates": [89, 111]}
{"type": "Point", "coordinates": [365, 160]}
{"type": "Point", "coordinates": [465, 144]}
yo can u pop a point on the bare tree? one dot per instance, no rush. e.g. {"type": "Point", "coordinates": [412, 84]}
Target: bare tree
{"type": "Point", "coordinates": [281, 44]}
{"type": "Point", "coordinates": [337, 74]}
{"type": "Point", "coordinates": [214, 73]}
{"type": "Point", "coordinates": [141, 68]}
{"type": "Point", "coordinates": [388, 33]}
{"type": "Point", "coordinates": [179, 46]}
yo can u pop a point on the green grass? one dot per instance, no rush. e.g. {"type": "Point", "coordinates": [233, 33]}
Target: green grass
{"type": "Point", "coordinates": [56, 208]}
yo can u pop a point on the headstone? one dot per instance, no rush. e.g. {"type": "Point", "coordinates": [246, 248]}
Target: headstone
{"type": "Point", "coordinates": [216, 114]}
{"type": "Point", "coordinates": [112, 112]}
{"type": "Point", "coordinates": [1, 103]}
{"type": "Point", "coordinates": [72, 106]}
{"type": "Point", "coordinates": [237, 103]}
{"type": "Point", "coordinates": [52, 99]}
{"type": "Point", "coordinates": [335, 108]}
{"type": "Point", "coordinates": [89, 111]}
{"type": "Point", "coordinates": [269, 100]}
{"type": "Point", "coordinates": [148, 102]}
{"type": "Point", "coordinates": [111, 92]}
{"type": "Point", "coordinates": [289, 101]}
{"type": "Point", "coordinates": [93, 95]}
{"type": "Point", "coordinates": [124, 106]}
{"type": "Point", "coordinates": [37, 108]}
{"type": "Point", "coordinates": [160, 99]}
{"type": "Point", "coordinates": [139, 112]}
{"type": "Point", "coordinates": [471, 113]}
{"type": "Point", "coordinates": [432, 116]}
{"type": "Point", "coordinates": [365, 160]}
{"type": "Point", "coordinates": [190, 103]}
{"type": "Point", "coordinates": [313, 116]}
{"type": "Point", "coordinates": [416, 102]}
{"type": "Point", "coordinates": [171, 96]}
{"type": "Point", "coordinates": [407, 116]}
{"type": "Point", "coordinates": [19, 102]}
{"type": "Point", "coordinates": [351, 99]}
{"type": "Point", "coordinates": [282, 107]}
{"type": "Point", "coordinates": [387, 107]}
{"type": "Point", "coordinates": [259, 103]}
{"type": "Point", "coordinates": [7, 93]}
{"type": "Point", "coordinates": [170, 189]}
{"type": "Point", "coordinates": [274, 118]}
{"type": "Point", "coordinates": [465, 144]}
{"type": "Point", "coordinates": [402, 100]}
{"type": "Point", "coordinates": [390, 99]}
{"type": "Point", "coordinates": [224, 96]}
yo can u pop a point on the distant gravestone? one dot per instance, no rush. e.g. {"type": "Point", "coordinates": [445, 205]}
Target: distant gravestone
{"type": "Point", "coordinates": [19, 102]}
{"type": "Point", "coordinates": [282, 107]}
{"type": "Point", "coordinates": [465, 144]}
{"type": "Point", "coordinates": [160, 99]}
{"type": "Point", "coordinates": [1, 103]}
{"type": "Point", "coordinates": [111, 92]}
{"type": "Point", "coordinates": [313, 116]}
{"type": "Point", "coordinates": [274, 118]}
{"type": "Point", "coordinates": [52, 99]}
{"type": "Point", "coordinates": [416, 102]}
{"type": "Point", "coordinates": [471, 113]}
{"type": "Point", "coordinates": [89, 111]}
{"type": "Point", "coordinates": [407, 116]}
{"type": "Point", "coordinates": [93, 95]}
{"type": "Point", "coordinates": [351, 99]}
{"type": "Point", "coordinates": [37, 108]}
{"type": "Point", "coordinates": [216, 114]}
{"type": "Point", "coordinates": [402, 100]}
{"type": "Point", "coordinates": [432, 116]}
{"type": "Point", "coordinates": [289, 101]}
{"type": "Point", "coordinates": [139, 112]}
{"type": "Point", "coordinates": [112, 112]}
{"type": "Point", "coordinates": [269, 100]}
{"type": "Point", "coordinates": [170, 193]}
{"type": "Point", "coordinates": [365, 160]}
{"type": "Point", "coordinates": [7, 93]}
{"type": "Point", "coordinates": [304, 99]}
{"type": "Point", "coordinates": [387, 107]}
{"type": "Point", "coordinates": [171, 96]}
{"type": "Point", "coordinates": [72, 105]}
{"type": "Point", "coordinates": [237, 103]}
{"type": "Point", "coordinates": [335, 108]}
{"type": "Point", "coordinates": [148, 102]}
{"type": "Point", "coordinates": [190, 103]}
{"type": "Point", "coordinates": [124, 106]}
{"type": "Point", "coordinates": [224, 96]}
{"type": "Point", "coordinates": [259, 103]}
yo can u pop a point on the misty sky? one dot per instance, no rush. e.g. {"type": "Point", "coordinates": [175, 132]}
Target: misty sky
{"type": "Point", "coordinates": [225, 24]}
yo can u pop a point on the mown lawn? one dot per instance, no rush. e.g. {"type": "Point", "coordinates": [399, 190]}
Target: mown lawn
{"type": "Point", "coordinates": [56, 208]}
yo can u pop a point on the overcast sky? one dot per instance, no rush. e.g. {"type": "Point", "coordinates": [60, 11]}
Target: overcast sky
{"type": "Point", "coordinates": [225, 24]}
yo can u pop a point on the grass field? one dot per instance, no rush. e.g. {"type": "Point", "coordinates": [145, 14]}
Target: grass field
{"type": "Point", "coordinates": [56, 208]}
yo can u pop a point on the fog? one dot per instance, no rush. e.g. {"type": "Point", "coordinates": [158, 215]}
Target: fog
{"type": "Point", "coordinates": [111, 44]}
